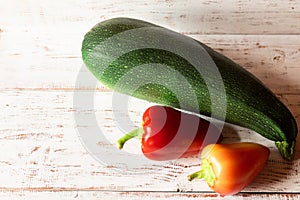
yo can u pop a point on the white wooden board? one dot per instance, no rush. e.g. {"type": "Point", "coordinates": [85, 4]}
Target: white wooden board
{"type": "Point", "coordinates": [42, 154]}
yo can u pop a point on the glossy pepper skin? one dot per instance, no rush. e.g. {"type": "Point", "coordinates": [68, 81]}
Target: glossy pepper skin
{"type": "Point", "coordinates": [229, 168]}
{"type": "Point", "coordinates": [168, 134]}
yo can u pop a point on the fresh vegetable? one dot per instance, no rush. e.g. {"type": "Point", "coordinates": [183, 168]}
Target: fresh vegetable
{"type": "Point", "coordinates": [228, 168]}
{"type": "Point", "coordinates": [138, 58]}
{"type": "Point", "coordinates": [168, 134]}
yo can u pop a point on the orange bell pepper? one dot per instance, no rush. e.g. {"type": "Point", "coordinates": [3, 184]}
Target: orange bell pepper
{"type": "Point", "coordinates": [229, 168]}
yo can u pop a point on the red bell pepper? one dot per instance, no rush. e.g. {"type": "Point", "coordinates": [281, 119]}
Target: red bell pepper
{"type": "Point", "coordinates": [228, 168]}
{"type": "Point", "coordinates": [168, 134]}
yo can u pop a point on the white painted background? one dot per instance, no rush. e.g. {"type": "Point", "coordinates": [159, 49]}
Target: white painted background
{"type": "Point", "coordinates": [42, 156]}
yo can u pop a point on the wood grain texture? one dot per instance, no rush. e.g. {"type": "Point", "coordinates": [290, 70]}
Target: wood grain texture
{"type": "Point", "coordinates": [52, 154]}
{"type": "Point", "coordinates": [43, 154]}
{"type": "Point", "coordinates": [108, 195]}
{"type": "Point", "coordinates": [189, 16]}
{"type": "Point", "coordinates": [273, 59]}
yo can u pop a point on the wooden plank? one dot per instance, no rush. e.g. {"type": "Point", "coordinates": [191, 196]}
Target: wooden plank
{"type": "Point", "coordinates": [40, 133]}
{"type": "Point", "coordinates": [189, 16]}
{"type": "Point", "coordinates": [273, 59]}
{"type": "Point", "coordinates": [108, 195]}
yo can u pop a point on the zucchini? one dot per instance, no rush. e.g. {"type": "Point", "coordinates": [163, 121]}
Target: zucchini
{"type": "Point", "coordinates": [141, 59]}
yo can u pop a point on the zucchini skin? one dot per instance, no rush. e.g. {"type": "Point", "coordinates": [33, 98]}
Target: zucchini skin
{"type": "Point", "coordinates": [248, 102]}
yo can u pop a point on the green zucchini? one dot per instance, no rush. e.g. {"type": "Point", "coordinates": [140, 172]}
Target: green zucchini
{"type": "Point", "coordinates": [147, 56]}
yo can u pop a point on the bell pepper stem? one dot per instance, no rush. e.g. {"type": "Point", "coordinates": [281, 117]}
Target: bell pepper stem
{"type": "Point", "coordinates": [198, 174]}
{"type": "Point", "coordinates": [205, 173]}
{"type": "Point", "coordinates": [135, 133]}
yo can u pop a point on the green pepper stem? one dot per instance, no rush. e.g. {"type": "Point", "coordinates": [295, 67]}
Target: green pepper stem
{"type": "Point", "coordinates": [135, 133]}
{"type": "Point", "coordinates": [205, 173]}
{"type": "Point", "coordinates": [198, 174]}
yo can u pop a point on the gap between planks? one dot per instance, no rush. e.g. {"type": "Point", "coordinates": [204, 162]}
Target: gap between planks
{"type": "Point", "coordinates": [106, 194]}
{"type": "Point", "coordinates": [64, 189]}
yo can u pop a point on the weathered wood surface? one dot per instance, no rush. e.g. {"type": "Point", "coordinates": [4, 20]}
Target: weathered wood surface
{"type": "Point", "coordinates": [105, 195]}
{"type": "Point", "coordinates": [42, 154]}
